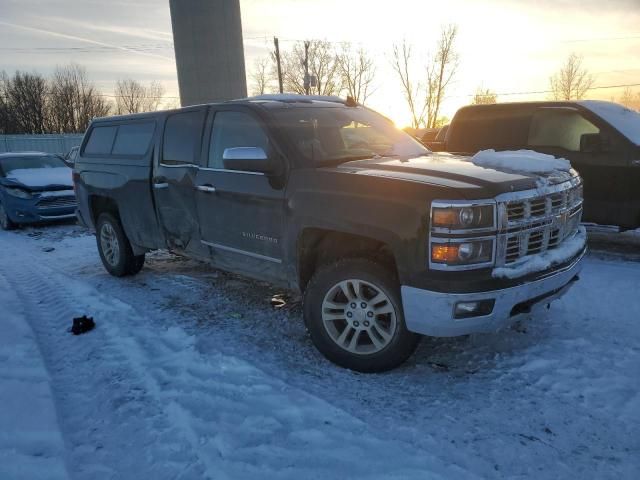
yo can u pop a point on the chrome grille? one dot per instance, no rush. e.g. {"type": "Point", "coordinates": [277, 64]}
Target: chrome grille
{"type": "Point", "coordinates": [57, 202]}
{"type": "Point", "coordinates": [538, 223]}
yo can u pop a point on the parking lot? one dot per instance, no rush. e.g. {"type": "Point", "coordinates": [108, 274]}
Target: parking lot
{"type": "Point", "coordinates": [193, 372]}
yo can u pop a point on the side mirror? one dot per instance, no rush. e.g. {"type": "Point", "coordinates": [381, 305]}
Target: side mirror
{"type": "Point", "coordinates": [591, 143]}
{"type": "Point", "coordinates": [249, 159]}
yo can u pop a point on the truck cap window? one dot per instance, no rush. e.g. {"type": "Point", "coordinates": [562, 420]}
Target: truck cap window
{"type": "Point", "coordinates": [182, 137]}
{"type": "Point", "coordinates": [133, 139]}
{"type": "Point", "coordinates": [335, 135]}
{"type": "Point", "coordinates": [100, 140]}
{"type": "Point", "coordinates": [234, 129]}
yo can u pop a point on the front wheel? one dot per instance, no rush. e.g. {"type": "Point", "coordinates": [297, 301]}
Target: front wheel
{"type": "Point", "coordinates": [5, 221]}
{"type": "Point", "coordinates": [114, 248]}
{"type": "Point", "coordinates": [353, 311]}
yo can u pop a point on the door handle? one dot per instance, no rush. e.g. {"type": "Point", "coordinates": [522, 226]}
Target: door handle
{"type": "Point", "coordinates": [635, 163]}
{"type": "Point", "coordinates": [160, 185]}
{"type": "Point", "coordinates": [206, 188]}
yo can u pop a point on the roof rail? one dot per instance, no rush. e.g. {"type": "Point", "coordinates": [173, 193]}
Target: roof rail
{"type": "Point", "coordinates": [292, 97]}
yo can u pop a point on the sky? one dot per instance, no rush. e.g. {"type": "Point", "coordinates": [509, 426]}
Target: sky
{"type": "Point", "coordinates": [508, 46]}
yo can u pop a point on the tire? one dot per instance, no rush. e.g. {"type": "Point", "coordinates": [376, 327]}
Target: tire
{"type": "Point", "coordinates": [370, 337]}
{"type": "Point", "coordinates": [5, 221]}
{"type": "Point", "coordinates": [115, 249]}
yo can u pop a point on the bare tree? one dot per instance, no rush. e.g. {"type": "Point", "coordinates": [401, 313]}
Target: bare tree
{"type": "Point", "coordinates": [25, 103]}
{"type": "Point", "coordinates": [630, 99]}
{"type": "Point", "coordinates": [411, 89]}
{"type": "Point", "coordinates": [134, 97]}
{"type": "Point", "coordinates": [441, 70]}
{"type": "Point", "coordinates": [262, 76]}
{"type": "Point", "coordinates": [484, 97]}
{"type": "Point", "coordinates": [572, 81]}
{"type": "Point", "coordinates": [73, 100]}
{"type": "Point", "coordinates": [6, 122]}
{"type": "Point", "coordinates": [323, 66]}
{"type": "Point", "coordinates": [357, 70]}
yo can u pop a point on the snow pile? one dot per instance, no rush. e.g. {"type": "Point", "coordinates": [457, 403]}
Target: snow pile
{"type": "Point", "coordinates": [526, 161]}
{"type": "Point", "coordinates": [31, 445]}
{"type": "Point", "coordinates": [623, 119]}
{"type": "Point", "coordinates": [542, 261]}
{"type": "Point", "coordinates": [41, 177]}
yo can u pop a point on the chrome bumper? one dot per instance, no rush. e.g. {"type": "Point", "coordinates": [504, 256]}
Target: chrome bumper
{"type": "Point", "coordinates": [432, 313]}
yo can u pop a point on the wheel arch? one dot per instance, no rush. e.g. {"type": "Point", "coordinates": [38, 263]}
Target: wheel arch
{"type": "Point", "coordinates": [318, 246]}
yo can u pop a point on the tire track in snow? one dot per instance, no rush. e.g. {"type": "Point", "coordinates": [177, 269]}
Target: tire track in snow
{"type": "Point", "coordinates": [230, 419]}
{"type": "Point", "coordinates": [106, 406]}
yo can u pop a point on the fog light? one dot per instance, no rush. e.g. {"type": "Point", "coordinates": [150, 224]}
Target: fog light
{"type": "Point", "coordinates": [473, 309]}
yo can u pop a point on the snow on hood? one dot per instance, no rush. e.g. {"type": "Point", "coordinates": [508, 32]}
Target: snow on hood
{"type": "Point", "coordinates": [624, 120]}
{"type": "Point", "coordinates": [521, 161]}
{"type": "Point", "coordinates": [42, 177]}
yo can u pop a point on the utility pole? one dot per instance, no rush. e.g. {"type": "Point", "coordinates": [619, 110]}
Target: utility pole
{"type": "Point", "coordinates": [307, 79]}
{"type": "Point", "coordinates": [277, 45]}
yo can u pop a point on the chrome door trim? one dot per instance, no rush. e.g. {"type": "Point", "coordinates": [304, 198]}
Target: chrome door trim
{"type": "Point", "coordinates": [241, 252]}
{"type": "Point", "coordinates": [207, 169]}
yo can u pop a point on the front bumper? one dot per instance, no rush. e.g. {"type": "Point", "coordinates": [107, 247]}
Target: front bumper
{"type": "Point", "coordinates": [432, 313]}
{"type": "Point", "coordinates": [34, 210]}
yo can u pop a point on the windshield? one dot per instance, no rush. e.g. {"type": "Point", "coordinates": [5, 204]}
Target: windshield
{"type": "Point", "coordinates": [10, 164]}
{"type": "Point", "coordinates": [334, 135]}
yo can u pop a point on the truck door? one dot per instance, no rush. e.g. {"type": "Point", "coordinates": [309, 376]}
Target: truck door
{"type": "Point", "coordinates": [559, 132]}
{"type": "Point", "coordinates": [174, 179]}
{"type": "Point", "coordinates": [240, 211]}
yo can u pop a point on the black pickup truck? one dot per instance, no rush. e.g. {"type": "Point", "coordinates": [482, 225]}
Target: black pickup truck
{"type": "Point", "coordinates": [600, 139]}
{"type": "Point", "coordinates": [385, 240]}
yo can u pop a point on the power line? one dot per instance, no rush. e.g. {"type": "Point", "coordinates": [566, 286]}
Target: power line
{"type": "Point", "coordinates": [540, 92]}
{"type": "Point", "coordinates": [503, 94]}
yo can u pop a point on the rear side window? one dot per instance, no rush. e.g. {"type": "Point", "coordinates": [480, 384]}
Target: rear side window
{"type": "Point", "coordinates": [559, 128]}
{"type": "Point", "coordinates": [182, 138]}
{"type": "Point", "coordinates": [133, 139]}
{"type": "Point", "coordinates": [100, 141]}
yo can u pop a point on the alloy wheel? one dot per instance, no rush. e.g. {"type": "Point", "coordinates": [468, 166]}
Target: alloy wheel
{"type": "Point", "coordinates": [110, 245]}
{"type": "Point", "coordinates": [359, 316]}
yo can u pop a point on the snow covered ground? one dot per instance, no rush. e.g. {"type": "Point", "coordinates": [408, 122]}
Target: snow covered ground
{"type": "Point", "coordinates": [193, 373]}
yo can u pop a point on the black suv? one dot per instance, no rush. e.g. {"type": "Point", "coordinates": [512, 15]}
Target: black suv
{"type": "Point", "coordinates": [386, 240]}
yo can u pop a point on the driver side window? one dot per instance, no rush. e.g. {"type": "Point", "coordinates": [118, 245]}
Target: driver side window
{"type": "Point", "coordinates": [234, 129]}
{"type": "Point", "coordinates": [559, 128]}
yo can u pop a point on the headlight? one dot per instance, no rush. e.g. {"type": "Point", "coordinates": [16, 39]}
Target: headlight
{"type": "Point", "coordinates": [18, 192]}
{"type": "Point", "coordinates": [463, 217]}
{"type": "Point", "coordinates": [464, 252]}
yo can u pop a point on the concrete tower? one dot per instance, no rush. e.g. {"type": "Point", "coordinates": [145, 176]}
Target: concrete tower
{"type": "Point", "coordinates": [207, 37]}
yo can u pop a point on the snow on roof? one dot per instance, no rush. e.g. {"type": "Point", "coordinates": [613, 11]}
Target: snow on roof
{"type": "Point", "coordinates": [526, 161]}
{"type": "Point", "coordinates": [42, 177]}
{"type": "Point", "coordinates": [623, 119]}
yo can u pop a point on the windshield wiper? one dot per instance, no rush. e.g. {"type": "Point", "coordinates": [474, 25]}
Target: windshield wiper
{"type": "Point", "coordinates": [339, 160]}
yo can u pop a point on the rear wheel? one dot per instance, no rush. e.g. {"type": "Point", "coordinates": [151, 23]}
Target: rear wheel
{"type": "Point", "coordinates": [5, 221]}
{"type": "Point", "coordinates": [353, 312]}
{"type": "Point", "coordinates": [115, 249]}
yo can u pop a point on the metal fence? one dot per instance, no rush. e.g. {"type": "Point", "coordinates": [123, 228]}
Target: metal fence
{"type": "Point", "coordinates": [49, 143]}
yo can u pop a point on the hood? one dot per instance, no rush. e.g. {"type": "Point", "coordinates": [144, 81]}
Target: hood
{"type": "Point", "coordinates": [39, 179]}
{"type": "Point", "coordinates": [455, 171]}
